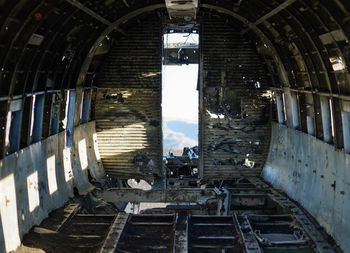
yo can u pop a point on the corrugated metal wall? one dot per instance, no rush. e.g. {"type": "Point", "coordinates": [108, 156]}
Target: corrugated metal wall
{"type": "Point", "coordinates": [230, 68]}
{"type": "Point", "coordinates": [128, 104]}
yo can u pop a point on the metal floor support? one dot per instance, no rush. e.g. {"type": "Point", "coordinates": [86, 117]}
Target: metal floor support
{"type": "Point", "coordinates": [260, 219]}
{"type": "Point", "coordinates": [213, 234]}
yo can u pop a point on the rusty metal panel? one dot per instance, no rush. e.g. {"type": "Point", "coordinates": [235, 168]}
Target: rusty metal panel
{"type": "Point", "coordinates": [234, 106]}
{"type": "Point", "coordinates": [128, 124]}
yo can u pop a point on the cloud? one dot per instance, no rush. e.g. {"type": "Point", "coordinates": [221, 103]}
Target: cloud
{"type": "Point", "coordinates": [183, 119]}
{"type": "Point", "coordinates": [176, 140]}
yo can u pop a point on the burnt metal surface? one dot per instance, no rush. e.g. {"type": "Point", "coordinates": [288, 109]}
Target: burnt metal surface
{"type": "Point", "coordinates": [234, 109]}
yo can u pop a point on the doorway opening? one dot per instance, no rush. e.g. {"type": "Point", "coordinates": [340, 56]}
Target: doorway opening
{"type": "Point", "coordinates": [180, 102]}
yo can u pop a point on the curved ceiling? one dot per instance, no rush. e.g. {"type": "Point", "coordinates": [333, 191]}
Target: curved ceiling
{"type": "Point", "coordinates": [308, 40]}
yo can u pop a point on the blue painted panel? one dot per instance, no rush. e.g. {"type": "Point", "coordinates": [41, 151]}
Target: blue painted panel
{"type": "Point", "coordinates": [15, 131]}
{"type": "Point", "coordinates": [55, 121]}
{"type": "Point", "coordinates": [38, 117]}
{"type": "Point", "coordinates": [54, 125]}
{"type": "Point", "coordinates": [70, 119]}
{"type": "Point", "coordinates": [316, 175]}
{"type": "Point", "coordinates": [86, 107]}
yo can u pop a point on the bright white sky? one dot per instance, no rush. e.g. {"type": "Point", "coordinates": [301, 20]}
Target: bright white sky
{"type": "Point", "coordinates": [180, 96]}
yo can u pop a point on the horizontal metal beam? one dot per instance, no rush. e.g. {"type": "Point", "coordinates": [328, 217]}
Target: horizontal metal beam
{"type": "Point", "coordinates": [273, 12]}
{"type": "Point", "coordinates": [93, 14]}
{"type": "Point", "coordinates": [126, 3]}
{"type": "Point", "coordinates": [194, 195]}
{"type": "Point", "coordinates": [270, 14]}
{"type": "Point", "coordinates": [138, 195]}
{"type": "Point", "coordinates": [318, 93]}
{"type": "Point", "coordinates": [89, 12]}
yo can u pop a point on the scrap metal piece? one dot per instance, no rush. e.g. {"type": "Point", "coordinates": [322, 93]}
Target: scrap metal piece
{"type": "Point", "coordinates": [277, 238]}
{"type": "Point", "coordinates": [224, 197]}
{"type": "Point", "coordinates": [36, 39]}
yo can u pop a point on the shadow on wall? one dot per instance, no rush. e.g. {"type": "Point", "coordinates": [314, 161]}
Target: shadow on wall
{"type": "Point", "coordinates": [41, 178]}
{"type": "Point", "coordinates": [134, 159]}
{"type": "Point", "coordinates": [128, 123]}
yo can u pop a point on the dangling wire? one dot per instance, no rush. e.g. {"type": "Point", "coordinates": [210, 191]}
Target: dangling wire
{"type": "Point", "coordinates": [189, 34]}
